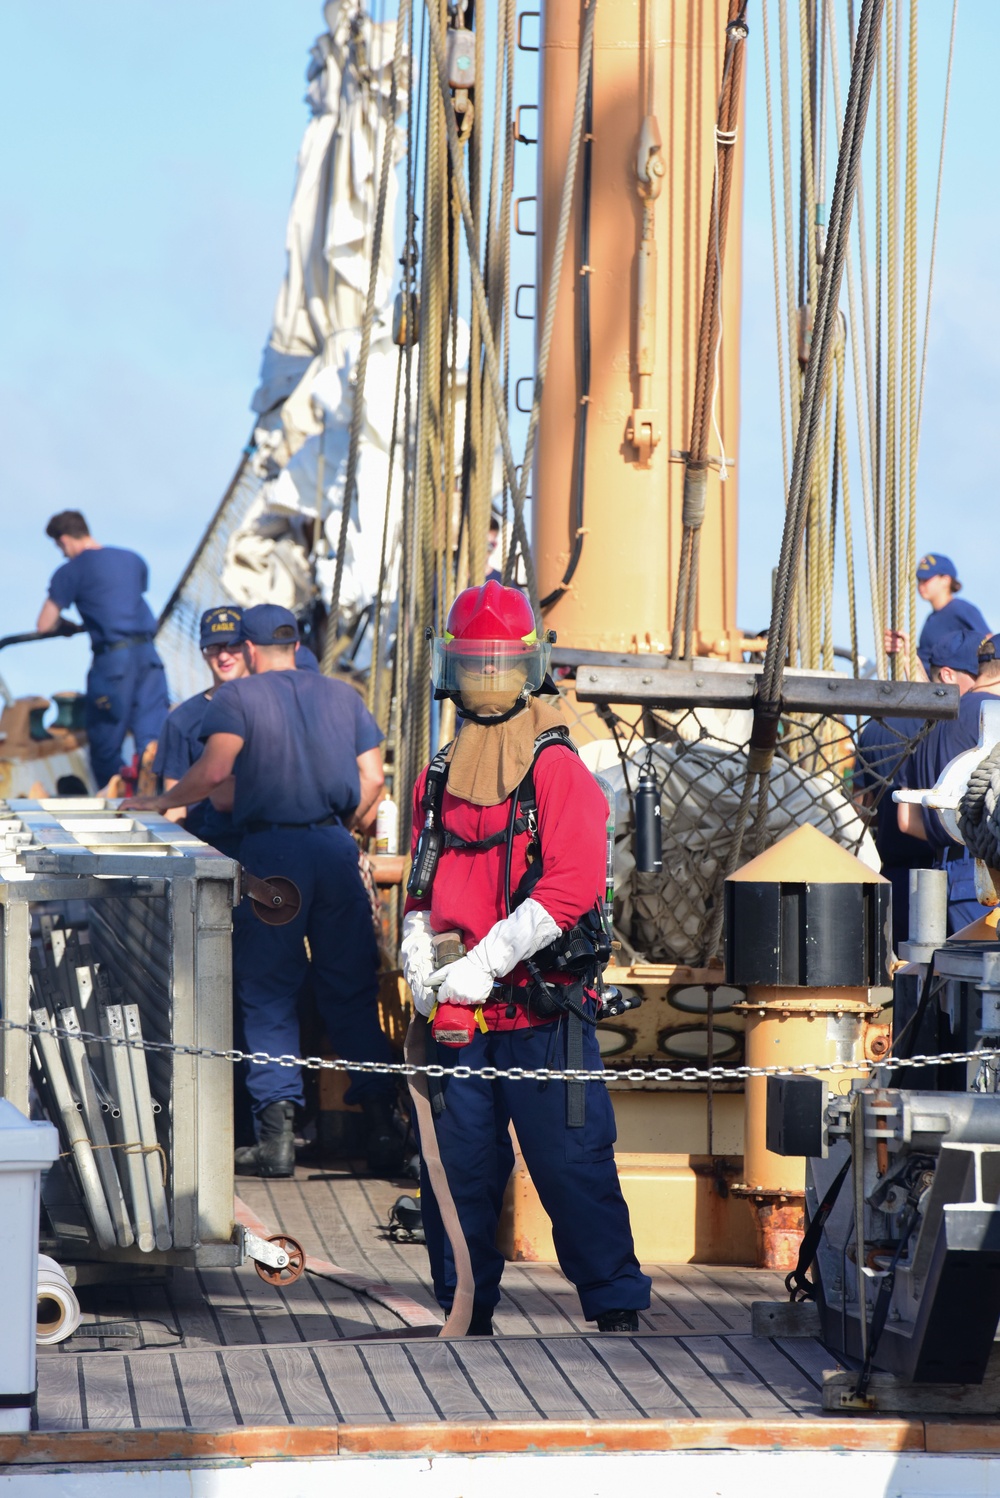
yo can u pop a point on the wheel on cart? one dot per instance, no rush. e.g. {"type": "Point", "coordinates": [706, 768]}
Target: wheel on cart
{"type": "Point", "coordinates": [292, 1270]}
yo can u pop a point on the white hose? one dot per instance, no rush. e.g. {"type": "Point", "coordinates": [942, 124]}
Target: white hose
{"type": "Point", "coordinates": [58, 1314]}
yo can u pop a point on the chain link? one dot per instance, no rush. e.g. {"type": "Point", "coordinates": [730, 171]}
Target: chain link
{"type": "Point", "coordinates": [513, 1073]}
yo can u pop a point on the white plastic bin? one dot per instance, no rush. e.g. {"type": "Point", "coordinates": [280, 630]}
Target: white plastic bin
{"type": "Point", "coordinates": [25, 1150]}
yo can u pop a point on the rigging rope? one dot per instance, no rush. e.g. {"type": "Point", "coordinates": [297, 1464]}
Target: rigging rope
{"type": "Point", "coordinates": [768, 706]}
{"type": "Point", "coordinates": [479, 297]}
{"type": "Point", "coordinates": [349, 497]}
{"type": "Point", "coordinates": [697, 463]}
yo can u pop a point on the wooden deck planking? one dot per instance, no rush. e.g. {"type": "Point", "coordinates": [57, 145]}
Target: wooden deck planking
{"type": "Point", "coordinates": [398, 1382]}
{"type": "Point", "coordinates": [106, 1388]}
{"type": "Point", "coordinates": [781, 1375]}
{"type": "Point", "coordinates": [254, 1387]}
{"type": "Point", "coordinates": [647, 1386]}
{"type": "Point", "coordinates": [673, 1296]}
{"type": "Point", "coordinates": [686, 1376]}
{"type": "Point", "coordinates": [445, 1381]}
{"type": "Point", "coordinates": [355, 1396]}
{"type": "Point", "coordinates": [205, 1390]}
{"type": "Point", "coordinates": [495, 1382]}
{"type": "Point", "coordinates": [810, 1355]}
{"type": "Point", "coordinates": [302, 1385]}
{"type": "Point", "coordinates": [58, 1404]}
{"type": "Point", "coordinates": [591, 1379]}
{"type": "Point", "coordinates": [727, 1369]}
{"type": "Point", "coordinates": [702, 1283]}
{"type": "Point", "coordinates": [549, 1389]}
{"type": "Point", "coordinates": [191, 1312]}
{"type": "Point", "coordinates": [233, 1317]}
{"type": "Point", "coordinates": [154, 1389]}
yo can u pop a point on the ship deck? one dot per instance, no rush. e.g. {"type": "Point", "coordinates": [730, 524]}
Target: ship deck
{"type": "Point", "coordinates": [203, 1364]}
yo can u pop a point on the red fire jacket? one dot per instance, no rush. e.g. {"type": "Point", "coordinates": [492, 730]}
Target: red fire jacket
{"type": "Point", "coordinates": [468, 894]}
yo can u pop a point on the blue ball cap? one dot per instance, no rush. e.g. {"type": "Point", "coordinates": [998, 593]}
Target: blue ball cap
{"type": "Point", "coordinates": [270, 624]}
{"type": "Point", "coordinates": [221, 626]}
{"type": "Point", "coordinates": [935, 565]}
{"type": "Point", "coordinates": [959, 651]}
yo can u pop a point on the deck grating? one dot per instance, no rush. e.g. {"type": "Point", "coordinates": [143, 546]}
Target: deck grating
{"type": "Point", "coordinates": [218, 1347]}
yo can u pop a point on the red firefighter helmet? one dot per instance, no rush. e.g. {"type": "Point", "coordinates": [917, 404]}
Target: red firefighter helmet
{"type": "Point", "coordinates": [490, 637]}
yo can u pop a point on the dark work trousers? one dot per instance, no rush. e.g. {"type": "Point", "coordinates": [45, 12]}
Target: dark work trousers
{"type": "Point", "coordinates": [573, 1170]}
{"type": "Point", "coordinates": [126, 693]}
{"type": "Point", "coordinates": [270, 962]}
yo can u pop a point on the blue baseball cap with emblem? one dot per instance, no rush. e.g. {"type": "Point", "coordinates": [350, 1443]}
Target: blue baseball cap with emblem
{"type": "Point", "coordinates": [270, 624]}
{"type": "Point", "coordinates": [935, 565]}
{"type": "Point", "coordinates": [221, 626]}
{"type": "Point", "coordinates": [959, 651]}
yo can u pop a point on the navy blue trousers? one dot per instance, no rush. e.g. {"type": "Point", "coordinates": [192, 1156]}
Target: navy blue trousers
{"type": "Point", "coordinates": [963, 907]}
{"type": "Point", "coordinates": [573, 1171]}
{"type": "Point", "coordinates": [270, 962]}
{"type": "Point", "coordinates": [126, 693]}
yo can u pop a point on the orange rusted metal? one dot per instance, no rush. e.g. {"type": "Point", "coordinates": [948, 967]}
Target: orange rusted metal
{"type": "Point", "coordinates": [622, 593]}
{"type": "Point", "coordinates": [779, 1218]}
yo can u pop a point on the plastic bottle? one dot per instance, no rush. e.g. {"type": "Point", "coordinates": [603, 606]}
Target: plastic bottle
{"type": "Point", "coordinates": [387, 826]}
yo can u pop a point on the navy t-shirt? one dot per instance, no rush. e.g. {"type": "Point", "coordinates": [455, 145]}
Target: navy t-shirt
{"type": "Point", "coordinates": [180, 744]}
{"type": "Point", "coordinates": [945, 740]}
{"type": "Point", "coordinates": [957, 615]}
{"type": "Point", "coordinates": [883, 748]}
{"type": "Point", "coordinates": [106, 584]}
{"type": "Point", "coordinates": [302, 734]}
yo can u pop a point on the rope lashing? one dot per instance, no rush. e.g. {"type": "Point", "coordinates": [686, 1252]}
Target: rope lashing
{"type": "Point", "coordinates": [979, 810]}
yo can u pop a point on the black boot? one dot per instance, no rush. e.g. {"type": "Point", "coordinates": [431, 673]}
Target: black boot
{"type": "Point", "coordinates": [274, 1152]}
{"type": "Point", "coordinates": [481, 1323]}
{"type": "Point", "coordinates": [386, 1146]}
{"type": "Point", "coordinates": [618, 1321]}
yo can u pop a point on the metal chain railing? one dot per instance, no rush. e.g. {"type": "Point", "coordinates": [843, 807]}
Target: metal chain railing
{"type": "Point", "coordinates": [512, 1073]}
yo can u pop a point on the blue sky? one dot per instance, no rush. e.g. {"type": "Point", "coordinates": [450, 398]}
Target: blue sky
{"type": "Point", "coordinates": [148, 161]}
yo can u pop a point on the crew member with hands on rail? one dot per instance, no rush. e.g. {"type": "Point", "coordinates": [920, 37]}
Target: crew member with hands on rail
{"type": "Point", "coordinates": [520, 825]}
{"type": "Point", "coordinates": [303, 753]}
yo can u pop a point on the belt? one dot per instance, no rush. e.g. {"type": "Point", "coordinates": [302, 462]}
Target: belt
{"type": "Point", "coordinates": [129, 640]}
{"type": "Point", "coordinates": [952, 855]}
{"type": "Point", "coordinates": [330, 821]}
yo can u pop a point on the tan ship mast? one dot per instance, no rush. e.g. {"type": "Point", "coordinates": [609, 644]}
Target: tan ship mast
{"type": "Point", "coordinates": [652, 160]}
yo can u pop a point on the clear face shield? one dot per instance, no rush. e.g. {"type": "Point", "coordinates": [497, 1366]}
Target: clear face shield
{"type": "Point", "coordinates": [489, 675]}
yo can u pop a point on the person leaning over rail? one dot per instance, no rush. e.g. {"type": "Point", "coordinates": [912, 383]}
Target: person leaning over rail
{"type": "Point", "coordinates": [303, 753]}
{"type": "Point", "coordinates": [975, 670]}
{"type": "Point", "coordinates": [126, 684]}
{"type": "Point", "coordinates": [520, 824]}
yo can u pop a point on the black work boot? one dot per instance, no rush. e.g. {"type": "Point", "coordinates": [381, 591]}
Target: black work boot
{"type": "Point", "coordinates": [386, 1146]}
{"type": "Point", "coordinates": [618, 1321]}
{"type": "Point", "coordinates": [274, 1152]}
{"type": "Point", "coordinates": [481, 1323]}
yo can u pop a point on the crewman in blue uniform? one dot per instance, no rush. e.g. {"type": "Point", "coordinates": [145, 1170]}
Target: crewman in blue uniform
{"type": "Point", "coordinates": [126, 684]}
{"type": "Point", "coordinates": [180, 742]}
{"type": "Point", "coordinates": [958, 660]}
{"type": "Point", "coordinates": [304, 755]}
{"type": "Point", "coordinates": [884, 745]}
{"type": "Point", "coordinates": [938, 585]}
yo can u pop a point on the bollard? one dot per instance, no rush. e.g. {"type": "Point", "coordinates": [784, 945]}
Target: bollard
{"type": "Point", "coordinates": [26, 1149]}
{"type": "Point", "coordinates": [928, 915]}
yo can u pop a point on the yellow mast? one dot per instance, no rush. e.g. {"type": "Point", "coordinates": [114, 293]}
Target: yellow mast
{"type": "Point", "coordinates": [654, 61]}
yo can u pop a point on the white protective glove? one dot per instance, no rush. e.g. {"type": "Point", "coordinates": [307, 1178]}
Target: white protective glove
{"type": "Point", "coordinates": [470, 979]}
{"type": "Point", "coordinates": [418, 958]}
